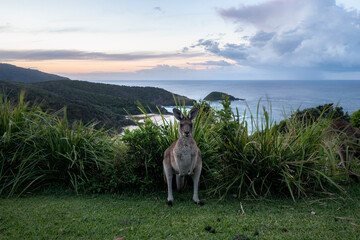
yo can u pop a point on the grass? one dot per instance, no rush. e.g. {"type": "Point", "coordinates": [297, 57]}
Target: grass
{"type": "Point", "coordinates": [136, 216]}
{"type": "Point", "coordinates": [37, 148]}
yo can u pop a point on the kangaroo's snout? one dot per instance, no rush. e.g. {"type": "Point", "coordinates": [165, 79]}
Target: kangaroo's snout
{"type": "Point", "coordinates": [187, 133]}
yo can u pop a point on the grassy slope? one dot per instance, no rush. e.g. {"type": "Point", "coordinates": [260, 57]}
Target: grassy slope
{"type": "Point", "coordinates": [135, 216]}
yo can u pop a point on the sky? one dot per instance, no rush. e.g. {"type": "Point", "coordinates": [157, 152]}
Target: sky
{"type": "Point", "coordinates": [184, 40]}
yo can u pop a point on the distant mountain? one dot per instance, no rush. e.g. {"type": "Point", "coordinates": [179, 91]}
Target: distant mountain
{"type": "Point", "coordinates": [86, 101]}
{"type": "Point", "coordinates": [10, 72]}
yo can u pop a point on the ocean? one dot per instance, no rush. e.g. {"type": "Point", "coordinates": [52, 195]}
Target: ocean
{"type": "Point", "coordinates": [284, 96]}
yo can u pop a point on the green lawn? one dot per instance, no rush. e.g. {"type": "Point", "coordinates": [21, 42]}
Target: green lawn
{"type": "Point", "coordinates": [138, 216]}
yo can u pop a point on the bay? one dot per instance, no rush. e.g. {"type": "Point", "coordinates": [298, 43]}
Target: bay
{"type": "Point", "coordinates": [284, 96]}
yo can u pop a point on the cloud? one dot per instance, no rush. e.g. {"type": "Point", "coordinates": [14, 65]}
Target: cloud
{"type": "Point", "coordinates": [157, 9]}
{"type": "Point", "coordinates": [220, 63]}
{"type": "Point", "coordinates": [167, 72]}
{"type": "Point", "coordinates": [62, 30]}
{"type": "Point", "coordinates": [290, 34]}
{"type": "Point", "coordinates": [270, 15]}
{"type": "Point", "coordinates": [5, 27]}
{"type": "Point", "coordinates": [233, 72]}
{"type": "Point", "coordinates": [229, 50]}
{"type": "Point", "coordinates": [40, 55]}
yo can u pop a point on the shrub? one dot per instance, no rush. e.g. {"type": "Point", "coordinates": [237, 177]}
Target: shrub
{"type": "Point", "coordinates": [145, 154]}
{"type": "Point", "coordinates": [355, 119]}
{"type": "Point", "coordinates": [268, 161]}
{"type": "Point", "coordinates": [322, 111]}
{"type": "Point", "coordinates": [39, 148]}
{"type": "Point", "coordinates": [259, 164]}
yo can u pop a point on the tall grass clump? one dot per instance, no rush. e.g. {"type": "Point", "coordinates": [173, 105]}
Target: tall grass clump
{"type": "Point", "coordinates": [268, 161]}
{"type": "Point", "coordinates": [290, 160]}
{"type": "Point", "coordinates": [39, 148]}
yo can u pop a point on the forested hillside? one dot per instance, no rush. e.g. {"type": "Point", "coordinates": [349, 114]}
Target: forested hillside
{"type": "Point", "coordinates": [10, 72]}
{"type": "Point", "coordinates": [85, 101]}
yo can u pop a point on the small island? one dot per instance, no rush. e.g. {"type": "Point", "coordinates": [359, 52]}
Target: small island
{"type": "Point", "coordinates": [217, 96]}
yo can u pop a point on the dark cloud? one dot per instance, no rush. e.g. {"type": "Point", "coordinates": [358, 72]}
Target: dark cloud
{"type": "Point", "coordinates": [269, 15]}
{"type": "Point", "coordinates": [39, 55]}
{"type": "Point", "coordinates": [158, 9]}
{"type": "Point", "coordinates": [261, 38]}
{"type": "Point", "coordinates": [231, 51]}
{"type": "Point", "coordinates": [185, 49]}
{"type": "Point", "coordinates": [314, 34]}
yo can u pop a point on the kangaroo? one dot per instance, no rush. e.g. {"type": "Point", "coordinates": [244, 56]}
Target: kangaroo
{"type": "Point", "coordinates": [350, 144]}
{"type": "Point", "coordinates": [183, 157]}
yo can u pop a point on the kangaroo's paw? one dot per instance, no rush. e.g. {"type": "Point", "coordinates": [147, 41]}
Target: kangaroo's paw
{"type": "Point", "coordinates": [169, 203]}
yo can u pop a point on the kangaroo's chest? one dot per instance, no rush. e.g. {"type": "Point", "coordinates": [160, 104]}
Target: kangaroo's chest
{"type": "Point", "coordinates": [185, 156]}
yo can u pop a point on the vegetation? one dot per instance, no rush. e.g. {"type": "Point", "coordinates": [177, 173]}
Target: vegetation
{"type": "Point", "coordinates": [293, 163]}
{"type": "Point", "coordinates": [323, 111]}
{"type": "Point", "coordinates": [355, 119]}
{"type": "Point", "coordinates": [55, 215]}
{"type": "Point", "coordinates": [39, 148]}
{"type": "Point", "coordinates": [217, 96]}
{"type": "Point", "coordinates": [92, 102]}
{"type": "Point", "coordinates": [17, 74]}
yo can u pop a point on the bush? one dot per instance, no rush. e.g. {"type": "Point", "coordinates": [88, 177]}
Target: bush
{"type": "Point", "coordinates": [39, 148]}
{"type": "Point", "coordinates": [265, 162]}
{"type": "Point", "coordinates": [327, 111]}
{"type": "Point", "coordinates": [355, 119]}
{"type": "Point", "coordinates": [145, 155]}
{"type": "Point", "coordinates": [269, 161]}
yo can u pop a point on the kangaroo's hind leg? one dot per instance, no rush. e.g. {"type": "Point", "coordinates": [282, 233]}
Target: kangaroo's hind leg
{"type": "Point", "coordinates": [180, 182]}
{"type": "Point", "coordinates": [169, 176]}
{"type": "Point", "coordinates": [196, 178]}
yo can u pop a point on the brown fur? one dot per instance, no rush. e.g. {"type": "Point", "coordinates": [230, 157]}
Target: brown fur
{"type": "Point", "coordinates": [183, 157]}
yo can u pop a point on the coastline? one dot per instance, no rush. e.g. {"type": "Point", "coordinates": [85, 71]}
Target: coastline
{"type": "Point", "coordinates": [154, 117]}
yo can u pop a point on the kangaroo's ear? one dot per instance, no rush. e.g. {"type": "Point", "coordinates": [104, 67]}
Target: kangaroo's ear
{"type": "Point", "coordinates": [193, 113]}
{"type": "Point", "coordinates": [178, 114]}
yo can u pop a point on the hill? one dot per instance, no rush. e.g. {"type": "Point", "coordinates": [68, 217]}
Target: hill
{"type": "Point", "coordinates": [217, 96]}
{"type": "Point", "coordinates": [10, 72]}
{"type": "Point", "coordinates": [88, 102]}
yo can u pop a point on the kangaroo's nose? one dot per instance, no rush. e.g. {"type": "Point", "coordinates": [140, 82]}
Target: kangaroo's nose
{"type": "Point", "coordinates": [187, 133]}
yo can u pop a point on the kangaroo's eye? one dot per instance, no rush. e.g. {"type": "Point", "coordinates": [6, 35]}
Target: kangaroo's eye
{"type": "Point", "coordinates": [181, 125]}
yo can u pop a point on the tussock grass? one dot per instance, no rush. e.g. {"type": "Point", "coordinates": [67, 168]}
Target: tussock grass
{"type": "Point", "coordinates": [38, 148]}
{"type": "Point", "coordinates": [292, 160]}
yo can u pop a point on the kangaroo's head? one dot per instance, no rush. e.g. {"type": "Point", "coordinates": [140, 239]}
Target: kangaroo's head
{"type": "Point", "coordinates": [186, 125]}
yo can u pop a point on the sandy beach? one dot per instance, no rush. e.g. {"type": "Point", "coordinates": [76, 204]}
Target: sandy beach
{"type": "Point", "coordinates": [154, 117]}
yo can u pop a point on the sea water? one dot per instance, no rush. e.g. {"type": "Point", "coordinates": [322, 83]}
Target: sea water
{"type": "Point", "coordinates": [281, 97]}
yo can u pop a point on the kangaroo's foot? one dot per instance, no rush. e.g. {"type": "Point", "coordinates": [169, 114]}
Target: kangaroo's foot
{"type": "Point", "coordinates": [169, 203]}
{"type": "Point", "coordinates": [200, 203]}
